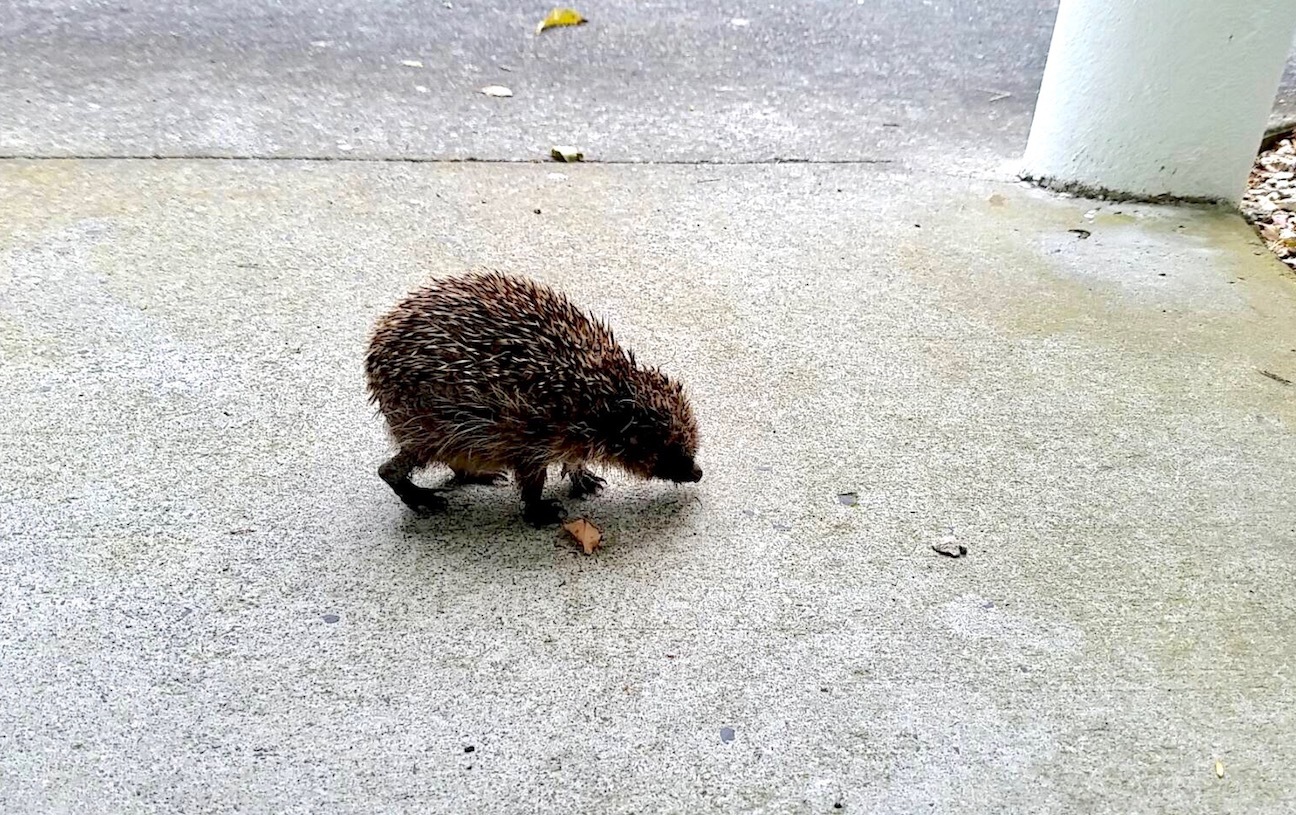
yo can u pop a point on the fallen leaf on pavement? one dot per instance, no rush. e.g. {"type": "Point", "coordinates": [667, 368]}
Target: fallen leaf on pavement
{"type": "Point", "coordinates": [585, 533]}
{"type": "Point", "coordinates": [560, 17]}
{"type": "Point", "coordinates": [566, 153]}
{"type": "Point", "coordinates": [497, 90]}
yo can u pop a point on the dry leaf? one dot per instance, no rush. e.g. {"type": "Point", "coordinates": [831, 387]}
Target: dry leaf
{"type": "Point", "coordinates": [560, 17]}
{"type": "Point", "coordinates": [566, 153]}
{"type": "Point", "coordinates": [497, 90]}
{"type": "Point", "coordinates": [1219, 769]}
{"type": "Point", "coordinates": [585, 533]}
{"type": "Point", "coordinates": [412, 63]}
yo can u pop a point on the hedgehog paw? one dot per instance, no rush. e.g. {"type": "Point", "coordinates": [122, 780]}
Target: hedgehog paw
{"type": "Point", "coordinates": [585, 484]}
{"type": "Point", "coordinates": [424, 501]}
{"type": "Point", "coordinates": [543, 513]}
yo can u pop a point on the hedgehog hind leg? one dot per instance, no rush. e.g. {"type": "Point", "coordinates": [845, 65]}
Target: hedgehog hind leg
{"type": "Point", "coordinates": [396, 473]}
{"type": "Point", "coordinates": [536, 510]}
{"type": "Point", "coordinates": [584, 483]}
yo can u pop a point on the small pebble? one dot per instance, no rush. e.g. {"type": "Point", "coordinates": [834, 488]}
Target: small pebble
{"type": "Point", "coordinates": [331, 618]}
{"type": "Point", "coordinates": [949, 547]}
{"type": "Point", "coordinates": [726, 734]}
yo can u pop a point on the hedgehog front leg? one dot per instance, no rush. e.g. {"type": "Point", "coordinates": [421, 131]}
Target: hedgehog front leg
{"type": "Point", "coordinates": [535, 509]}
{"type": "Point", "coordinates": [583, 482]}
{"type": "Point", "coordinates": [396, 472]}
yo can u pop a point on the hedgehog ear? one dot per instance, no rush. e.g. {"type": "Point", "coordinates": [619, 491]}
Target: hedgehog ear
{"type": "Point", "coordinates": [628, 436]}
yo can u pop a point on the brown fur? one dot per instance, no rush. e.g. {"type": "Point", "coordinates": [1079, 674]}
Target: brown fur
{"type": "Point", "coordinates": [487, 373]}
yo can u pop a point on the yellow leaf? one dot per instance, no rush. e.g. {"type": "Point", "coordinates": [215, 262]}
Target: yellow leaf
{"type": "Point", "coordinates": [560, 17]}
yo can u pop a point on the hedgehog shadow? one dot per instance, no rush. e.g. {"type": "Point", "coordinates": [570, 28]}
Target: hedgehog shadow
{"type": "Point", "coordinates": [484, 525]}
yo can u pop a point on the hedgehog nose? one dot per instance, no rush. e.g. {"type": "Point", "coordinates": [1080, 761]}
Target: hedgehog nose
{"type": "Point", "coordinates": [696, 474]}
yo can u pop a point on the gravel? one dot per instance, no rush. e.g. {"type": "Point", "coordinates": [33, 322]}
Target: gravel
{"type": "Point", "coordinates": [1270, 200]}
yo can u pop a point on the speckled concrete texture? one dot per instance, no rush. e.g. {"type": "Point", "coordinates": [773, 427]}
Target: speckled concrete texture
{"type": "Point", "coordinates": [935, 84]}
{"type": "Point", "coordinates": [932, 83]}
{"type": "Point", "coordinates": [212, 604]}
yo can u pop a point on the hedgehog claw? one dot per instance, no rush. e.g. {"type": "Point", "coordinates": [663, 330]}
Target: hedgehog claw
{"type": "Point", "coordinates": [424, 502]}
{"type": "Point", "coordinates": [585, 484]}
{"type": "Point", "coordinates": [543, 513]}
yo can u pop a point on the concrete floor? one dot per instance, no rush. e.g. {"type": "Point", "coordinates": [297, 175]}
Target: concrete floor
{"type": "Point", "coordinates": [669, 80]}
{"type": "Point", "coordinates": [212, 604]}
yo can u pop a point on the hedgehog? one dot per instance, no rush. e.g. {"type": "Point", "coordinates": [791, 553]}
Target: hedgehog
{"type": "Point", "coordinates": [490, 373]}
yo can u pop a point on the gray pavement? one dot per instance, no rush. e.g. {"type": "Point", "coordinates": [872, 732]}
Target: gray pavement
{"type": "Point", "coordinates": [930, 82]}
{"type": "Point", "coordinates": [212, 604]}
{"type": "Point", "coordinates": [935, 84]}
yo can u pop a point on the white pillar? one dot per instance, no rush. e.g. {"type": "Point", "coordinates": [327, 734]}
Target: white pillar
{"type": "Point", "coordinates": [1158, 98]}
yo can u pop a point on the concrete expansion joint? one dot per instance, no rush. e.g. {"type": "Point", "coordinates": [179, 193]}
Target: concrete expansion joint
{"type": "Point", "coordinates": [442, 160]}
{"type": "Point", "coordinates": [1099, 193]}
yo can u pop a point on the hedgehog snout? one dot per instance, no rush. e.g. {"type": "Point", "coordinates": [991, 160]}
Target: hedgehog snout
{"type": "Point", "coordinates": [681, 469]}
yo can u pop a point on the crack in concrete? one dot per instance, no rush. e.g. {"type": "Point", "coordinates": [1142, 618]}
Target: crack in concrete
{"type": "Point", "coordinates": [437, 160]}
